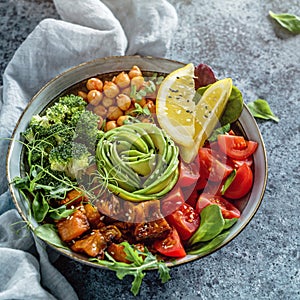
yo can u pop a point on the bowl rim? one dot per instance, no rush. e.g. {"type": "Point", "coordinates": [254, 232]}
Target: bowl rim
{"type": "Point", "coordinates": [81, 258]}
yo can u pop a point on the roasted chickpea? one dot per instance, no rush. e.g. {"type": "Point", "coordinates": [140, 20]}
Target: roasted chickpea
{"type": "Point", "coordinates": [94, 84]}
{"type": "Point", "coordinates": [110, 89]}
{"type": "Point", "coordinates": [114, 112]}
{"type": "Point", "coordinates": [94, 97]}
{"type": "Point", "coordinates": [138, 81]}
{"type": "Point", "coordinates": [121, 120]}
{"type": "Point", "coordinates": [134, 72]}
{"type": "Point", "coordinates": [123, 102]}
{"type": "Point", "coordinates": [110, 125]}
{"type": "Point", "coordinates": [100, 110]}
{"type": "Point", "coordinates": [122, 80]}
{"type": "Point", "coordinates": [82, 94]}
{"type": "Point", "coordinates": [141, 102]}
{"type": "Point", "coordinates": [107, 102]}
{"type": "Point", "coordinates": [151, 106]}
{"type": "Point", "coordinates": [126, 91]}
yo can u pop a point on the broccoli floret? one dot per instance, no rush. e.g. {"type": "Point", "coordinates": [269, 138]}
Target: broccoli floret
{"type": "Point", "coordinates": [62, 111]}
{"type": "Point", "coordinates": [86, 129]}
{"type": "Point", "coordinates": [40, 121]}
{"type": "Point", "coordinates": [70, 157]}
{"type": "Point", "coordinates": [74, 103]}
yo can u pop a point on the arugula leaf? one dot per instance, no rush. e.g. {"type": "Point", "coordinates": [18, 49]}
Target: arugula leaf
{"type": "Point", "coordinates": [228, 181]}
{"type": "Point", "coordinates": [137, 267]}
{"type": "Point", "coordinates": [220, 130]}
{"type": "Point", "coordinates": [288, 21]}
{"type": "Point", "coordinates": [261, 109]}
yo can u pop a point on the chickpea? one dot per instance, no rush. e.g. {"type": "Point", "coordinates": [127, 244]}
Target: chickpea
{"type": "Point", "coordinates": [114, 112]}
{"type": "Point", "coordinates": [107, 102]}
{"type": "Point", "coordinates": [94, 84]}
{"type": "Point", "coordinates": [121, 120]}
{"type": "Point", "coordinates": [122, 80]}
{"type": "Point", "coordinates": [100, 122]}
{"type": "Point", "coordinates": [141, 102]}
{"type": "Point", "coordinates": [151, 106]}
{"type": "Point", "coordinates": [134, 72]}
{"type": "Point", "coordinates": [100, 110]}
{"type": "Point", "coordinates": [94, 97]}
{"type": "Point", "coordinates": [126, 91]}
{"type": "Point", "coordinates": [110, 125]}
{"type": "Point", "coordinates": [146, 120]}
{"type": "Point", "coordinates": [129, 112]}
{"type": "Point", "coordinates": [123, 102]}
{"type": "Point", "coordinates": [110, 89]}
{"type": "Point", "coordinates": [138, 81]}
{"type": "Point", "coordinates": [82, 94]}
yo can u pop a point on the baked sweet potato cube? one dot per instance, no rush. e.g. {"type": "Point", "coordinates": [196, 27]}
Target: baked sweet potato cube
{"type": "Point", "coordinates": [93, 244]}
{"type": "Point", "coordinates": [118, 253]}
{"type": "Point", "coordinates": [152, 230]}
{"type": "Point", "coordinates": [93, 215]}
{"type": "Point", "coordinates": [73, 226]}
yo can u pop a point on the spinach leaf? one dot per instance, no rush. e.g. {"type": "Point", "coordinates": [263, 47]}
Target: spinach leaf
{"type": "Point", "coordinates": [211, 225]}
{"type": "Point", "coordinates": [228, 181]}
{"type": "Point", "coordinates": [288, 21]}
{"type": "Point", "coordinates": [261, 109]}
{"type": "Point", "coordinates": [216, 132]}
{"type": "Point", "coordinates": [229, 222]}
{"type": "Point", "coordinates": [211, 245]}
{"type": "Point", "coordinates": [40, 207]}
{"type": "Point", "coordinates": [48, 233]}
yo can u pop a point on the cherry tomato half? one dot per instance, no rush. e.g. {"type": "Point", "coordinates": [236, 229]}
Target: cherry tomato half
{"type": "Point", "coordinates": [236, 146]}
{"type": "Point", "coordinates": [170, 246]}
{"type": "Point", "coordinates": [172, 201]}
{"type": "Point", "coordinates": [241, 184]}
{"type": "Point", "coordinates": [188, 174]}
{"type": "Point", "coordinates": [228, 210]}
{"type": "Point", "coordinates": [185, 220]}
{"type": "Point", "coordinates": [210, 167]}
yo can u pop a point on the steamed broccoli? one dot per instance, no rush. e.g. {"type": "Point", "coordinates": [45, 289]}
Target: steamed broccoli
{"type": "Point", "coordinates": [62, 111]}
{"type": "Point", "coordinates": [70, 157]}
{"type": "Point", "coordinates": [86, 129]}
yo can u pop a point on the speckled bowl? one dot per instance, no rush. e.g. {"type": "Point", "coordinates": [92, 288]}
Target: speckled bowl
{"type": "Point", "coordinates": [68, 80]}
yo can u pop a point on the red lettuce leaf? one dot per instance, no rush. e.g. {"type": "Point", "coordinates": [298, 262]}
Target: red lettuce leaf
{"type": "Point", "coordinates": [204, 76]}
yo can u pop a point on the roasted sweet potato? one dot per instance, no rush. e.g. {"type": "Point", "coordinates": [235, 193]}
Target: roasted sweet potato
{"type": "Point", "coordinates": [117, 252]}
{"type": "Point", "coordinates": [157, 229]}
{"type": "Point", "coordinates": [93, 244]}
{"type": "Point", "coordinates": [73, 226]}
{"type": "Point", "coordinates": [93, 215]}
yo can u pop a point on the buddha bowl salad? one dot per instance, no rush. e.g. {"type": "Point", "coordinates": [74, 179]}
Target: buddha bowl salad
{"type": "Point", "coordinates": [134, 171]}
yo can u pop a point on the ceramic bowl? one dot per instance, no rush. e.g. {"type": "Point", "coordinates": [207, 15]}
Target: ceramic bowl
{"type": "Point", "coordinates": [72, 78]}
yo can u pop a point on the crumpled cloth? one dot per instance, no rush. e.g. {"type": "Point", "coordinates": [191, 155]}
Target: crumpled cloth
{"type": "Point", "coordinates": [87, 30]}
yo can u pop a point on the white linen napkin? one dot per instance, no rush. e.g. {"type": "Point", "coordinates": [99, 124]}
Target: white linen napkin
{"type": "Point", "coordinates": [89, 29]}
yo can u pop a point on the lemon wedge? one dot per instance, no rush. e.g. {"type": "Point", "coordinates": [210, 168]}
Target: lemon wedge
{"type": "Point", "coordinates": [188, 124]}
{"type": "Point", "coordinates": [207, 115]}
{"type": "Point", "coordinates": [175, 108]}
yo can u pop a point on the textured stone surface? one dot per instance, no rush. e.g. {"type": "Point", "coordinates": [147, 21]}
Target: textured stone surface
{"type": "Point", "coordinates": [238, 39]}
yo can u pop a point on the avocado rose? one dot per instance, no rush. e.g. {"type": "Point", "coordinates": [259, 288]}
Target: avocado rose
{"type": "Point", "coordinates": [138, 162]}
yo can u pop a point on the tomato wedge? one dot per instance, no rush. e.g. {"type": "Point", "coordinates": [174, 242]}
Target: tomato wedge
{"type": "Point", "coordinates": [185, 220]}
{"type": "Point", "coordinates": [236, 146]}
{"type": "Point", "coordinates": [241, 184]}
{"type": "Point", "coordinates": [228, 210]}
{"type": "Point", "coordinates": [172, 201]}
{"type": "Point", "coordinates": [210, 167]}
{"type": "Point", "coordinates": [188, 174]}
{"type": "Point", "coordinates": [170, 246]}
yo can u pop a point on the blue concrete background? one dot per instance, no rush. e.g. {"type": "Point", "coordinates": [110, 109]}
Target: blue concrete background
{"type": "Point", "coordinates": [238, 39]}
